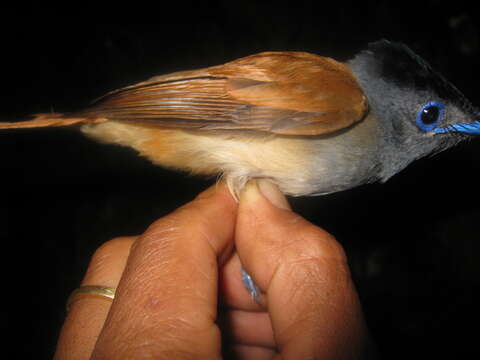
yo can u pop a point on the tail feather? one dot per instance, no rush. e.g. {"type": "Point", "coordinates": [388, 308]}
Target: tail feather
{"type": "Point", "coordinates": [48, 120]}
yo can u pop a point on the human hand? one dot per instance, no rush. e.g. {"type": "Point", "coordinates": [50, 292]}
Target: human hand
{"type": "Point", "coordinates": [166, 279]}
{"type": "Point", "coordinates": [309, 306]}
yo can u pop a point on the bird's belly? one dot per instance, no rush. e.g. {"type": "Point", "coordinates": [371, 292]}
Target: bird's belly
{"type": "Point", "coordinates": [235, 156]}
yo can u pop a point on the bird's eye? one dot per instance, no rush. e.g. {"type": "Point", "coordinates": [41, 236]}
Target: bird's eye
{"type": "Point", "coordinates": [430, 115]}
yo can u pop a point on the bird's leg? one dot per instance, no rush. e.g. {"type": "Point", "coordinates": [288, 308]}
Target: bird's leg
{"type": "Point", "coordinates": [250, 286]}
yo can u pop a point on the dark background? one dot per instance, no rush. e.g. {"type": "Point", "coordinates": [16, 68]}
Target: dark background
{"type": "Point", "coordinates": [412, 242]}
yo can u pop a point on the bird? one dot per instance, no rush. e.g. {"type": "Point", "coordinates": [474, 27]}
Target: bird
{"type": "Point", "coordinates": [310, 124]}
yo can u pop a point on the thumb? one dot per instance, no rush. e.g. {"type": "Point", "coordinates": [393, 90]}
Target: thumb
{"type": "Point", "coordinates": [303, 270]}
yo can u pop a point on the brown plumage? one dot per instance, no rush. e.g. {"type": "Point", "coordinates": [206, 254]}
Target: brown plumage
{"type": "Point", "coordinates": [196, 120]}
{"type": "Point", "coordinates": [292, 93]}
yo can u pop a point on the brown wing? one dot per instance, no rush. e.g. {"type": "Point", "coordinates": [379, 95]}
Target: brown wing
{"type": "Point", "coordinates": [291, 93]}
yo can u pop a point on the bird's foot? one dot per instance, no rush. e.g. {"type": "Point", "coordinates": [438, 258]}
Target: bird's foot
{"type": "Point", "coordinates": [250, 286]}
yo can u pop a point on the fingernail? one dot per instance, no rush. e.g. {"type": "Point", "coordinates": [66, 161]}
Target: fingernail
{"type": "Point", "coordinates": [273, 194]}
{"type": "Point", "coordinates": [268, 190]}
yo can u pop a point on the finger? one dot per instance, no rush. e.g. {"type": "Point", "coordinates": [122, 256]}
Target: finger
{"type": "Point", "coordinates": [247, 352]}
{"type": "Point", "coordinates": [314, 308]}
{"type": "Point", "coordinates": [87, 314]}
{"type": "Point", "coordinates": [166, 301]}
{"type": "Point", "coordinates": [249, 328]}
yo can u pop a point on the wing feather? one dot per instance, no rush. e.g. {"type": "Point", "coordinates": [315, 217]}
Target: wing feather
{"type": "Point", "coordinates": [290, 93]}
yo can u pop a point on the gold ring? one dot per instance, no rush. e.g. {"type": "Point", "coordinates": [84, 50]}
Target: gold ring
{"type": "Point", "coordinates": [105, 292]}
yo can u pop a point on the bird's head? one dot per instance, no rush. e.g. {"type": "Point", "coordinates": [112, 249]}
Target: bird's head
{"type": "Point", "coordinates": [417, 109]}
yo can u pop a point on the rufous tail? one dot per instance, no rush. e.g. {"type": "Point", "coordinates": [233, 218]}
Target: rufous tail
{"type": "Point", "coordinates": [47, 120]}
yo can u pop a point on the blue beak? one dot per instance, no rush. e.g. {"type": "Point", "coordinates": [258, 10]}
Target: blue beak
{"type": "Point", "coordinates": [467, 128]}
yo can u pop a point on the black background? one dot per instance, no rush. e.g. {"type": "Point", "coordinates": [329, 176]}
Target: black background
{"type": "Point", "coordinates": [412, 242]}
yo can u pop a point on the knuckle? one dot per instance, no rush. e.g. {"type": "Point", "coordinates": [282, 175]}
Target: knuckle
{"type": "Point", "coordinates": [187, 218]}
{"type": "Point", "coordinates": [317, 243]}
{"type": "Point", "coordinates": [165, 236]}
{"type": "Point", "coordinates": [107, 254]}
{"type": "Point", "coordinates": [111, 246]}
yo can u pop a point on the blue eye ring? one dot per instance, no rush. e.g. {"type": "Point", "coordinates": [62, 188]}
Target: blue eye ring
{"type": "Point", "coordinates": [430, 116]}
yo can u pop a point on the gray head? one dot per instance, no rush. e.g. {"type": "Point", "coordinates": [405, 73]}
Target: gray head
{"type": "Point", "coordinates": [418, 111]}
